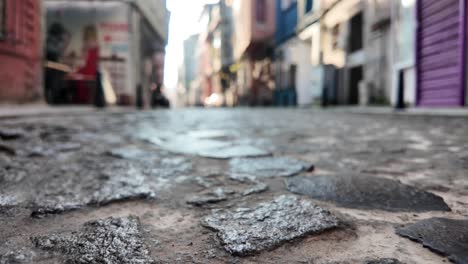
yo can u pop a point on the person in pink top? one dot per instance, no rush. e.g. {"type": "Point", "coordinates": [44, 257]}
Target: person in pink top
{"type": "Point", "coordinates": [89, 70]}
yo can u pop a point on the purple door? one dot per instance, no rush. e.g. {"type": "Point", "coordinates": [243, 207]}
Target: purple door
{"type": "Point", "coordinates": [440, 52]}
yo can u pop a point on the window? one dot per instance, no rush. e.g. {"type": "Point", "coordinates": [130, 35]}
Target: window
{"type": "Point", "coordinates": [404, 30]}
{"type": "Point", "coordinates": [285, 4]}
{"type": "Point", "coordinates": [309, 5]}
{"type": "Point", "coordinates": [260, 11]}
{"type": "Point", "coordinates": [356, 34]}
{"type": "Point", "coordinates": [292, 76]}
{"type": "Point", "coordinates": [2, 18]}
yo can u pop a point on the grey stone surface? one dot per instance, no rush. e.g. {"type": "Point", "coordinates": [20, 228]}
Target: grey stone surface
{"type": "Point", "coordinates": [205, 143]}
{"type": "Point", "coordinates": [234, 151]}
{"type": "Point", "coordinates": [257, 188]}
{"type": "Point", "coordinates": [257, 168]}
{"type": "Point", "coordinates": [445, 236]}
{"type": "Point", "coordinates": [76, 181]}
{"type": "Point", "coordinates": [60, 162]}
{"type": "Point", "coordinates": [93, 184]}
{"type": "Point", "coordinates": [129, 152]}
{"type": "Point", "coordinates": [245, 231]}
{"type": "Point", "coordinates": [215, 196]}
{"type": "Point", "coordinates": [383, 261]}
{"type": "Point", "coordinates": [11, 134]}
{"type": "Point", "coordinates": [17, 256]}
{"type": "Point", "coordinates": [366, 192]}
{"type": "Point", "coordinates": [111, 240]}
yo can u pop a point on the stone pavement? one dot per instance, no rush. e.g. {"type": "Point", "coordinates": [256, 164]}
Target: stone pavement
{"type": "Point", "coordinates": [233, 186]}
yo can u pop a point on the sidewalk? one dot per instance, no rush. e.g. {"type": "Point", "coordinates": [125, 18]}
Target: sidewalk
{"type": "Point", "coordinates": [412, 111]}
{"type": "Point", "coordinates": [15, 111]}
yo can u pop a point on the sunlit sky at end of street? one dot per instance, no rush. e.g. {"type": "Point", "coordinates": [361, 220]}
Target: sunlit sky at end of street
{"type": "Point", "coordinates": [184, 22]}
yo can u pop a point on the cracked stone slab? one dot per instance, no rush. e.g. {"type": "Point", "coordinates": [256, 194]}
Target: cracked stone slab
{"type": "Point", "coordinates": [365, 192]}
{"type": "Point", "coordinates": [111, 240]}
{"type": "Point", "coordinates": [249, 230]}
{"type": "Point", "coordinates": [257, 168]}
{"type": "Point", "coordinates": [447, 237]}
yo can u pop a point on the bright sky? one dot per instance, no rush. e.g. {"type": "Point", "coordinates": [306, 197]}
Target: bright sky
{"type": "Point", "coordinates": [183, 23]}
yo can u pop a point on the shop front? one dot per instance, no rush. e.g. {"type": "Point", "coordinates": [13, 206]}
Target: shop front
{"type": "Point", "coordinates": [441, 53]}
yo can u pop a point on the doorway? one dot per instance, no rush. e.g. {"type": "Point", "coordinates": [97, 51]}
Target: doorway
{"type": "Point", "coordinates": [355, 77]}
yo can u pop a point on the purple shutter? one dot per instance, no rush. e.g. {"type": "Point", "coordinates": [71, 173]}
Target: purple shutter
{"type": "Point", "coordinates": [440, 52]}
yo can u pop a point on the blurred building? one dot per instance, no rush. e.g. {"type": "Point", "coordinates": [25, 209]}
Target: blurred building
{"type": "Point", "coordinates": [289, 51]}
{"type": "Point", "coordinates": [254, 27]}
{"type": "Point", "coordinates": [20, 50]}
{"type": "Point", "coordinates": [309, 32]}
{"type": "Point", "coordinates": [216, 54]}
{"type": "Point", "coordinates": [124, 40]}
{"type": "Point", "coordinates": [297, 40]}
{"type": "Point", "coordinates": [403, 43]}
{"type": "Point", "coordinates": [343, 46]}
{"type": "Point", "coordinates": [190, 66]}
{"type": "Point", "coordinates": [205, 54]}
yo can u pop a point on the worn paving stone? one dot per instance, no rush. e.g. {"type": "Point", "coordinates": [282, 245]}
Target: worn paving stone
{"type": "Point", "coordinates": [447, 237]}
{"type": "Point", "coordinates": [235, 151]}
{"type": "Point", "coordinates": [248, 230]}
{"type": "Point", "coordinates": [215, 196]}
{"type": "Point", "coordinates": [17, 256]}
{"type": "Point", "coordinates": [77, 181]}
{"type": "Point", "coordinates": [11, 134]}
{"type": "Point", "coordinates": [209, 144]}
{"type": "Point", "coordinates": [98, 186]}
{"type": "Point", "coordinates": [257, 168]}
{"type": "Point", "coordinates": [366, 192]}
{"type": "Point", "coordinates": [130, 152]}
{"type": "Point", "coordinates": [383, 261]}
{"type": "Point", "coordinates": [259, 187]}
{"type": "Point", "coordinates": [111, 240]}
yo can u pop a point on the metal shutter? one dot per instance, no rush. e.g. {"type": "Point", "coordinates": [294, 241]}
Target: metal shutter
{"type": "Point", "coordinates": [440, 52]}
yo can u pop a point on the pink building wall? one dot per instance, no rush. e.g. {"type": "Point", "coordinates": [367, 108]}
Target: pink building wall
{"type": "Point", "coordinates": [248, 30]}
{"type": "Point", "coordinates": [20, 56]}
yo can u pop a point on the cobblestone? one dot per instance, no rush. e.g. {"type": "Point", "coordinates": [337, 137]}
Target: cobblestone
{"type": "Point", "coordinates": [379, 174]}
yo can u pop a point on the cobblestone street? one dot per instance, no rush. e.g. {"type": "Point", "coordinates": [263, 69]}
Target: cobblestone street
{"type": "Point", "coordinates": [233, 186]}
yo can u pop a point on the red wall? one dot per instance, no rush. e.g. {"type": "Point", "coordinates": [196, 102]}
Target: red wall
{"type": "Point", "coordinates": [20, 54]}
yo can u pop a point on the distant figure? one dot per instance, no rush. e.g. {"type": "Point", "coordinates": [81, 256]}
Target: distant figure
{"type": "Point", "coordinates": [57, 42]}
{"type": "Point", "coordinates": [157, 97]}
{"type": "Point", "coordinates": [90, 51]}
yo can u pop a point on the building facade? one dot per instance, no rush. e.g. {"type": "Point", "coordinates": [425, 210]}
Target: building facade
{"type": "Point", "coordinates": [254, 30]}
{"type": "Point", "coordinates": [125, 40]}
{"type": "Point", "coordinates": [309, 32]}
{"type": "Point", "coordinates": [289, 52]}
{"type": "Point", "coordinates": [190, 67]}
{"type": "Point", "coordinates": [403, 42]}
{"type": "Point", "coordinates": [20, 50]}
